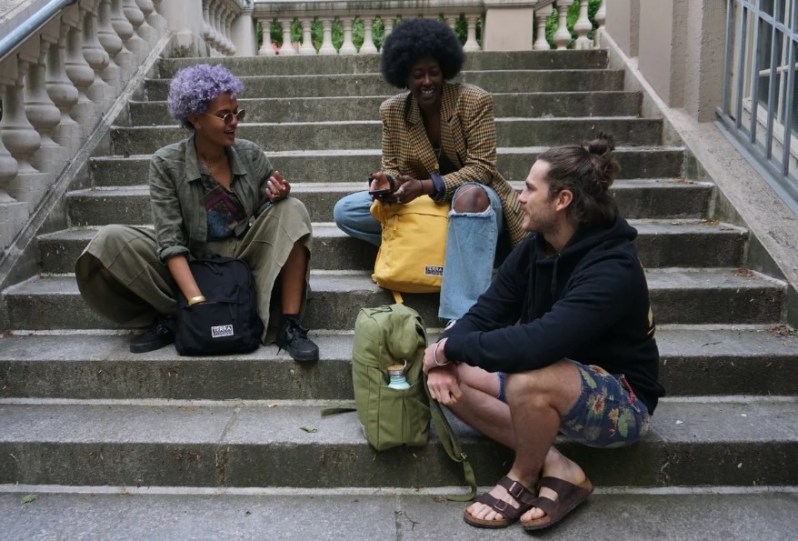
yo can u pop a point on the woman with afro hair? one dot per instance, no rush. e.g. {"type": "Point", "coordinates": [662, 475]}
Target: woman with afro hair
{"type": "Point", "coordinates": [439, 141]}
{"type": "Point", "coordinates": [210, 194]}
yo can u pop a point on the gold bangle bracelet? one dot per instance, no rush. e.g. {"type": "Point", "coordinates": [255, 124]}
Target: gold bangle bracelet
{"type": "Point", "coordinates": [196, 300]}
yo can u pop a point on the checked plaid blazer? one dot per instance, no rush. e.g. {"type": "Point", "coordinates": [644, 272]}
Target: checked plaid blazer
{"type": "Point", "coordinates": [468, 137]}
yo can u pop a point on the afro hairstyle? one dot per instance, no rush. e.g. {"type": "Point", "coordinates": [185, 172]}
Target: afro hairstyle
{"type": "Point", "coordinates": [193, 89]}
{"type": "Point", "coordinates": [415, 39]}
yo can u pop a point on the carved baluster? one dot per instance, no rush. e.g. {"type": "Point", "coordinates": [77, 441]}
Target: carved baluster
{"type": "Point", "coordinates": [216, 36]}
{"type": "Point", "coordinates": [112, 44]}
{"type": "Point", "coordinates": [368, 46]}
{"type": "Point", "coordinates": [136, 43]}
{"type": "Point", "coordinates": [156, 20]}
{"type": "Point", "coordinates": [21, 140]}
{"type": "Point", "coordinates": [63, 93]}
{"type": "Point", "coordinates": [582, 27]}
{"type": "Point", "coordinates": [41, 111]}
{"type": "Point", "coordinates": [207, 31]}
{"type": "Point", "coordinates": [387, 24]}
{"type": "Point", "coordinates": [82, 76]}
{"type": "Point", "coordinates": [541, 16]}
{"type": "Point", "coordinates": [126, 59]}
{"type": "Point", "coordinates": [601, 17]}
{"type": "Point", "coordinates": [348, 46]}
{"type": "Point", "coordinates": [99, 92]}
{"type": "Point", "coordinates": [13, 214]}
{"type": "Point", "coordinates": [327, 47]}
{"type": "Point", "coordinates": [562, 37]}
{"type": "Point", "coordinates": [146, 30]}
{"type": "Point", "coordinates": [266, 48]}
{"type": "Point", "coordinates": [287, 48]}
{"type": "Point", "coordinates": [307, 47]}
{"type": "Point", "coordinates": [471, 43]}
{"type": "Point", "coordinates": [451, 20]}
{"type": "Point", "coordinates": [228, 32]}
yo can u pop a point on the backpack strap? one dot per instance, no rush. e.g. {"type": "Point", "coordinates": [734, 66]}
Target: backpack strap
{"type": "Point", "coordinates": [397, 297]}
{"type": "Point", "coordinates": [452, 446]}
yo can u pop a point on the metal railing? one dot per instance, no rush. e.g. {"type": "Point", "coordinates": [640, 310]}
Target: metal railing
{"type": "Point", "coordinates": [19, 34]}
{"type": "Point", "coordinates": [760, 91]}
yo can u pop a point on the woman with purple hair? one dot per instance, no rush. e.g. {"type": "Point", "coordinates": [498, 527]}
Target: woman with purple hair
{"type": "Point", "coordinates": [210, 194]}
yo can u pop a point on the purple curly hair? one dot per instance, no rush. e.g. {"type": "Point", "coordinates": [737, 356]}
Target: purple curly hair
{"type": "Point", "coordinates": [195, 87]}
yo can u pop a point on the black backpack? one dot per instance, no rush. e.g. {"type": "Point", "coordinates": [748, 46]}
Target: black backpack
{"type": "Point", "coordinates": [228, 321]}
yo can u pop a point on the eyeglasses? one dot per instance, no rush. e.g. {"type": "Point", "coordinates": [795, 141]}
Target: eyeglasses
{"type": "Point", "coordinates": [228, 117]}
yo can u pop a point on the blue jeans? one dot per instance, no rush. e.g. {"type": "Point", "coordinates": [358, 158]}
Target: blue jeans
{"type": "Point", "coordinates": [470, 246]}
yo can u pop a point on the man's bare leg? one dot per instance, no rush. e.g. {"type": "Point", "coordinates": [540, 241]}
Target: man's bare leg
{"type": "Point", "coordinates": [480, 407]}
{"type": "Point", "coordinates": [537, 401]}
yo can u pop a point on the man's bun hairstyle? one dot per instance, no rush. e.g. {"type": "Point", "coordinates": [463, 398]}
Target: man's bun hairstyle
{"type": "Point", "coordinates": [415, 39]}
{"type": "Point", "coordinates": [588, 171]}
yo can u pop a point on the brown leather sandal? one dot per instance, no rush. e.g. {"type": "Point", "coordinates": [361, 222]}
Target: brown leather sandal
{"type": "Point", "coordinates": [510, 514]}
{"type": "Point", "coordinates": [569, 496]}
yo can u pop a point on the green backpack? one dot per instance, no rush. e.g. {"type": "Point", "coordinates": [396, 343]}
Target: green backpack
{"type": "Point", "coordinates": [385, 336]}
{"type": "Point", "coordinates": [395, 335]}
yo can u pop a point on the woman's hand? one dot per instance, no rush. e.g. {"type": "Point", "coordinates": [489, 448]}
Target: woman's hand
{"type": "Point", "coordinates": [277, 188]}
{"type": "Point", "coordinates": [409, 189]}
{"type": "Point", "coordinates": [379, 181]}
{"type": "Point", "coordinates": [443, 384]}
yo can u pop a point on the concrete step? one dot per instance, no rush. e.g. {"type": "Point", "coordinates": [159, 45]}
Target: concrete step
{"type": "Point", "coordinates": [135, 514]}
{"type": "Point", "coordinates": [662, 243]}
{"type": "Point", "coordinates": [348, 165]}
{"type": "Point", "coordinates": [372, 84]}
{"type": "Point", "coordinates": [639, 198]}
{"type": "Point", "coordinates": [276, 137]}
{"type": "Point", "coordinates": [695, 360]}
{"type": "Point", "coordinates": [687, 296]}
{"type": "Point", "coordinates": [291, 65]}
{"type": "Point", "coordinates": [348, 108]}
{"type": "Point", "coordinates": [740, 441]}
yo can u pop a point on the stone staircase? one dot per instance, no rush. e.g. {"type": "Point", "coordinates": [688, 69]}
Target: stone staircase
{"type": "Point", "coordinates": [78, 410]}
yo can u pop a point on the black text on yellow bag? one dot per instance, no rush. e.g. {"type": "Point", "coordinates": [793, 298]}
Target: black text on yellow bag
{"type": "Point", "coordinates": [413, 249]}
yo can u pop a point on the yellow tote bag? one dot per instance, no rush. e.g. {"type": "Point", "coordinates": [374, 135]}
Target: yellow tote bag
{"type": "Point", "coordinates": [413, 249]}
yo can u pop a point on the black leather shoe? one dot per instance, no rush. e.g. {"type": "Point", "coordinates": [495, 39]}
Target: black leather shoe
{"type": "Point", "coordinates": [293, 338]}
{"type": "Point", "coordinates": [159, 335]}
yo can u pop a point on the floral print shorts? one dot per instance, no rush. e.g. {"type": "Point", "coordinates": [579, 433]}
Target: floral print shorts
{"type": "Point", "coordinates": [607, 414]}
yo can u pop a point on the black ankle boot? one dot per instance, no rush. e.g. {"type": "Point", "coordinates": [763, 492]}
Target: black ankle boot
{"type": "Point", "coordinates": [159, 335]}
{"type": "Point", "coordinates": [293, 338]}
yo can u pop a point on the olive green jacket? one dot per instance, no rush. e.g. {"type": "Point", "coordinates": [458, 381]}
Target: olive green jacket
{"type": "Point", "coordinates": [176, 194]}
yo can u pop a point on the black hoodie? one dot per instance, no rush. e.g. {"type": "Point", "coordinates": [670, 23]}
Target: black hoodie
{"type": "Point", "coordinates": [588, 303]}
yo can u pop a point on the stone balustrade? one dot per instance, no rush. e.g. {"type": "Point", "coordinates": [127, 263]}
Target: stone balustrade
{"type": "Point", "coordinates": [60, 80]}
{"type": "Point", "coordinates": [495, 25]}
{"type": "Point", "coordinates": [56, 86]}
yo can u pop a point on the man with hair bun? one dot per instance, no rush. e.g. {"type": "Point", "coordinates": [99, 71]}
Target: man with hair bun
{"type": "Point", "coordinates": [561, 342]}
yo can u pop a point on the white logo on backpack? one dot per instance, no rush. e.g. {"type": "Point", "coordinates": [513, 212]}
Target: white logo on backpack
{"type": "Point", "coordinates": [220, 331]}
